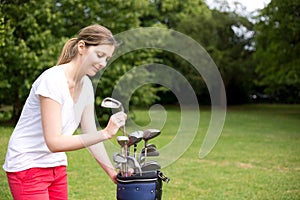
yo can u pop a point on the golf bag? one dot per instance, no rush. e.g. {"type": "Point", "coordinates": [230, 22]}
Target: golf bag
{"type": "Point", "coordinates": [145, 187]}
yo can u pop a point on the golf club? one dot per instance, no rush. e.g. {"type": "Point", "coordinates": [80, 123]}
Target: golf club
{"type": "Point", "coordinates": [150, 149]}
{"type": "Point", "coordinates": [149, 134]}
{"type": "Point", "coordinates": [133, 163]}
{"type": "Point", "coordinates": [123, 141]}
{"type": "Point", "coordinates": [150, 166]}
{"type": "Point", "coordinates": [151, 152]}
{"type": "Point", "coordinates": [145, 181]}
{"type": "Point", "coordinates": [151, 145]}
{"type": "Point", "coordinates": [109, 102]}
{"type": "Point", "coordinates": [134, 138]}
{"type": "Point", "coordinates": [119, 160]}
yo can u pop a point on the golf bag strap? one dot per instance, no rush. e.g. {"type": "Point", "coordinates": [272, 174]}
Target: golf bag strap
{"type": "Point", "coordinates": [163, 177]}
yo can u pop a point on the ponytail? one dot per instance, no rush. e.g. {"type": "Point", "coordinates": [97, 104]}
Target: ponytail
{"type": "Point", "coordinates": [91, 35]}
{"type": "Point", "coordinates": [68, 52]}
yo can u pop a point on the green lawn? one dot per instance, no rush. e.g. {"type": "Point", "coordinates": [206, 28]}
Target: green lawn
{"type": "Point", "coordinates": [256, 157]}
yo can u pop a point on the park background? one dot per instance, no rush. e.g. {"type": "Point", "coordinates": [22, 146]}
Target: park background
{"type": "Point", "coordinates": [257, 54]}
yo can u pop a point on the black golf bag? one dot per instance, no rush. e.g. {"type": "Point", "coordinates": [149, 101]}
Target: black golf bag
{"type": "Point", "coordinates": [145, 187]}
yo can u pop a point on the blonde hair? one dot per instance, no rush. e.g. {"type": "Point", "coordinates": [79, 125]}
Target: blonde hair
{"type": "Point", "coordinates": [92, 35]}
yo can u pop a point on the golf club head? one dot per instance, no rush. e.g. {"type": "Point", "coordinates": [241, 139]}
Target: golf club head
{"type": "Point", "coordinates": [135, 137]}
{"type": "Point", "coordinates": [121, 163]}
{"type": "Point", "coordinates": [151, 146]}
{"type": "Point", "coordinates": [133, 163]}
{"type": "Point", "coordinates": [150, 166]}
{"type": "Point", "coordinates": [150, 149]}
{"type": "Point", "coordinates": [142, 159]}
{"type": "Point", "coordinates": [118, 158]}
{"type": "Point", "coordinates": [109, 102]}
{"type": "Point", "coordinates": [150, 133]}
{"type": "Point", "coordinates": [122, 140]}
{"type": "Point", "coordinates": [152, 152]}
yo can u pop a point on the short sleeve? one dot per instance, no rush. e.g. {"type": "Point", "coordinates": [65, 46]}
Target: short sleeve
{"type": "Point", "coordinates": [49, 86]}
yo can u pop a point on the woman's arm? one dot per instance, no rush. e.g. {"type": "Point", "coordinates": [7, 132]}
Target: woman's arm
{"type": "Point", "coordinates": [88, 126]}
{"type": "Point", "coordinates": [100, 154]}
{"type": "Point", "coordinates": [52, 129]}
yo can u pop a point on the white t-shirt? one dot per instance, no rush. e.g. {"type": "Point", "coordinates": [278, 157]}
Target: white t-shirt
{"type": "Point", "coordinates": [27, 147]}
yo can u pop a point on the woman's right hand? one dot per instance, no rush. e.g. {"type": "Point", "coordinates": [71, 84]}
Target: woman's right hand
{"type": "Point", "coordinates": [115, 122]}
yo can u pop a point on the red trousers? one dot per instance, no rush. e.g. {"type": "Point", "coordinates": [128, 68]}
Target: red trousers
{"type": "Point", "coordinates": [39, 184]}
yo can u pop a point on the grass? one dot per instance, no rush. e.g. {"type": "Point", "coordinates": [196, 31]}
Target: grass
{"type": "Point", "coordinates": [256, 157]}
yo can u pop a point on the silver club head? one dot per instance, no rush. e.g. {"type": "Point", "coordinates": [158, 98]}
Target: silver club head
{"type": "Point", "coordinates": [133, 163]}
{"type": "Point", "coordinates": [150, 149]}
{"type": "Point", "coordinates": [109, 102]}
{"type": "Point", "coordinates": [151, 146]}
{"type": "Point", "coordinates": [151, 152]}
{"type": "Point", "coordinates": [121, 162]}
{"type": "Point", "coordinates": [118, 158]}
{"type": "Point", "coordinates": [151, 166]}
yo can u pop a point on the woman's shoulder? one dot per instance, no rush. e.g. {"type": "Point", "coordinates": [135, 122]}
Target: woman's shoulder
{"type": "Point", "coordinates": [55, 70]}
{"type": "Point", "coordinates": [51, 75]}
{"type": "Point", "coordinates": [87, 83]}
{"type": "Point", "coordinates": [56, 73]}
{"type": "Point", "coordinates": [86, 80]}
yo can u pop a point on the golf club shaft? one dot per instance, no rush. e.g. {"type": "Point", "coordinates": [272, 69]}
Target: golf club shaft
{"type": "Point", "coordinates": [125, 152]}
{"type": "Point", "coordinates": [134, 150]}
{"type": "Point", "coordinates": [124, 129]}
{"type": "Point", "coordinates": [124, 165]}
{"type": "Point", "coordinates": [146, 149]}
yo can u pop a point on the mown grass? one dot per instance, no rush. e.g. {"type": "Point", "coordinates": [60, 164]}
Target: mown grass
{"type": "Point", "coordinates": [256, 157]}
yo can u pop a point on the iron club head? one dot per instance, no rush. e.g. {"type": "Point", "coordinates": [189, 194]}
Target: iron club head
{"type": "Point", "coordinates": [133, 163]}
{"type": "Point", "coordinates": [109, 102]}
{"type": "Point", "coordinates": [118, 158]}
{"type": "Point", "coordinates": [151, 166]}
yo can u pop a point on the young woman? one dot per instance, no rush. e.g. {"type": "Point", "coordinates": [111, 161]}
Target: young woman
{"type": "Point", "coordinates": [60, 99]}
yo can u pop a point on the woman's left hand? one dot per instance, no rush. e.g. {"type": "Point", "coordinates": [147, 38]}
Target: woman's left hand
{"type": "Point", "coordinates": [114, 177]}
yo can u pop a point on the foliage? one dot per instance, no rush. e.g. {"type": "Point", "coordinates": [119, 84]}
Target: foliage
{"type": "Point", "coordinates": [230, 49]}
{"type": "Point", "coordinates": [28, 47]}
{"type": "Point", "coordinates": [33, 32]}
{"type": "Point", "coordinates": [171, 12]}
{"type": "Point", "coordinates": [32, 40]}
{"type": "Point", "coordinates": [277, 44]}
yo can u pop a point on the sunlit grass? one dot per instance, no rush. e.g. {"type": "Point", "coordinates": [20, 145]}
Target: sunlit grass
{"type": "Point", "coordinates": [256, 157]}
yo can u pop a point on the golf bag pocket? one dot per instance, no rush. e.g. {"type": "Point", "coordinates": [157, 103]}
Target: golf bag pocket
{"type": "Point", "coordinates": [136, 187]}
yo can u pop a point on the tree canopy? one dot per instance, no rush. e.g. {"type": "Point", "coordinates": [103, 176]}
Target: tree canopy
{"type": "Point", "coordinates": [277, 43]}
{"type": "Point", "coordinates": [33, 32]}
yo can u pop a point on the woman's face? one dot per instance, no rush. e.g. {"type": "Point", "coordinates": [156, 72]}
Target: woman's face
{"type": "Point", "coordinates": [96, 58]}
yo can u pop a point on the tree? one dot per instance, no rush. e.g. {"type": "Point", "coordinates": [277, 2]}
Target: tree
{"type": "Point", "coordinates": [171, 12]}
{"type": "Point", "coordinates": [28, 46]}
{"type": "Point", "coordinates": [33, 38]}
{"type": "Point", "coordinates": [225, 37]}
{"type": "Point", "coordinates": [33, 33]}
{"type": "Point", "coordinates": [277, 43]}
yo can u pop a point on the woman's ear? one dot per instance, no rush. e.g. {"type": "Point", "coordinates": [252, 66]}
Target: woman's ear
{"type": "Point", "coordinates": [81, 46]}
